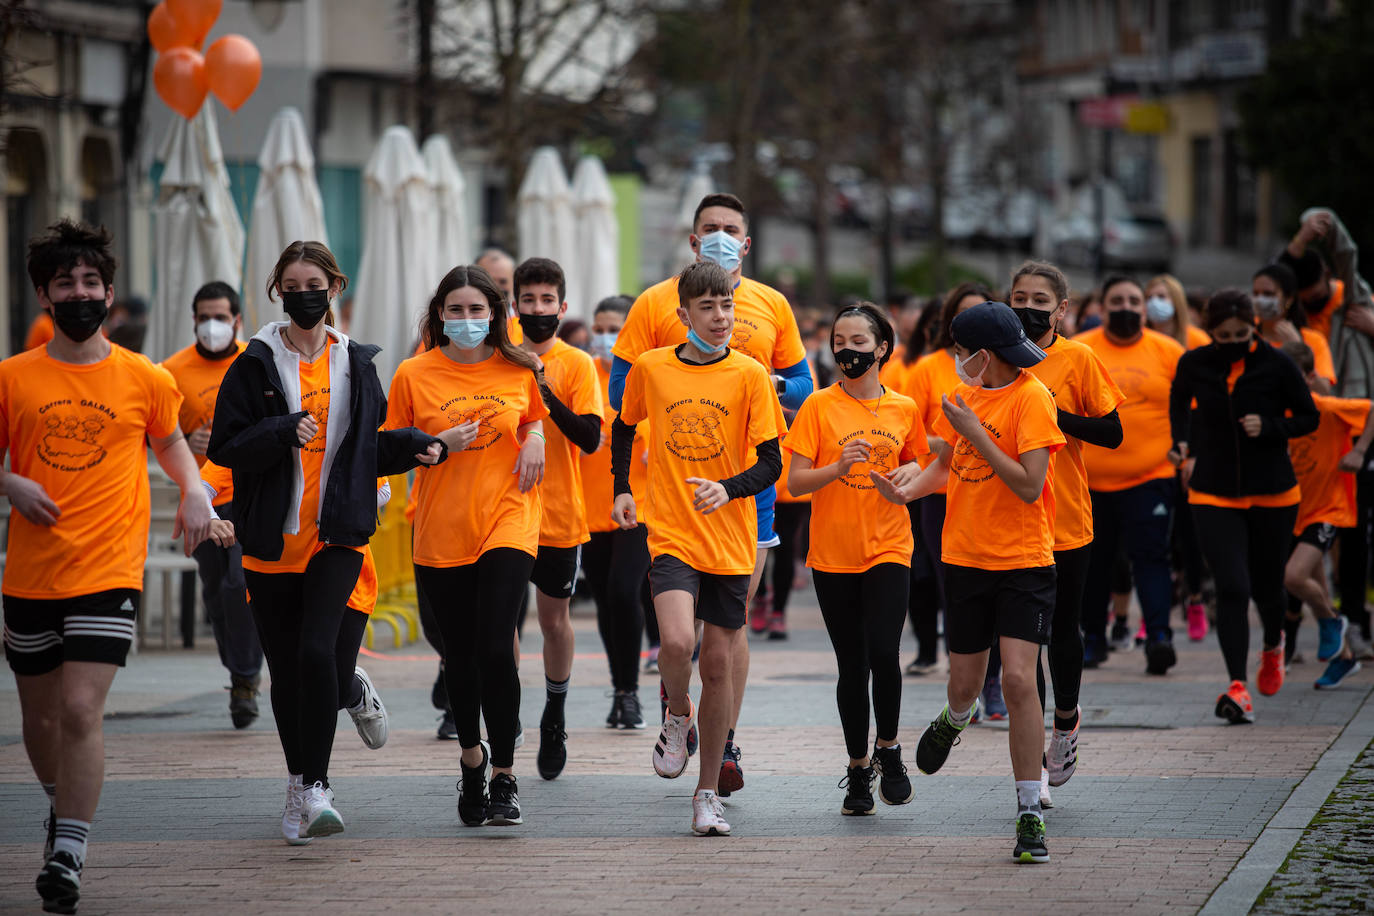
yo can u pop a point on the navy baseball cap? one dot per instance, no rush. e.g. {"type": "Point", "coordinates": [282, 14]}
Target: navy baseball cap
{"type": "Point", "coordinates": [994, 326]}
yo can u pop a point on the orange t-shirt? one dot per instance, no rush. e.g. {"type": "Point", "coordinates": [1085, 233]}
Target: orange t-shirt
{"type": "Point", "coordinates": [472, 502]}
{"type": "Point", "coordinates": [1080, 385]}
{"type": "Point", "coordinates": [853, 528]}
{"type": "Point", "coordinates": [571, 375]}
{"type": "Point", "coordinates": [221, 480]}
{"type": "Point", "coordinates": [199, 380]}
{"type": "Point", "coordinates": [364, 597]}
{"type": "Point", "coordinates": [1321, 321]}
{"type": "Point", "coordinates": [78, 431]}
{"type": "Point", "coordinates": [1321, 354]}
{"type": "Point", "coordinates": [298, 548]}
{"type": "Point", "coordinates": [1328, 494]}
{"type": "Point", "coordinates": [930, 377]}
{"type": "Point", "coordinates": [987, 526]}
{"type": "Point", "coordinates": [1196, 337]}
{"type": "Point", "coordinates": [40, 332]}
{"type": "Point", "coordinates": [703, 421]}
{"type": "Point", "coordinates": [1144, 372]}
{"type": "Point", "coordinates": [894, 371]}
{"type": "Point", "coordinates": [765, 327]}
{"type": "Point", "coordinates": [598, 486]}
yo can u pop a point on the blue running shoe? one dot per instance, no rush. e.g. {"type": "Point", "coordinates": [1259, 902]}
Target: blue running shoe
{"type": "Point", "coordinates": [1338, 670]}
{"type": "Point", "coordinates": [1330, 637]}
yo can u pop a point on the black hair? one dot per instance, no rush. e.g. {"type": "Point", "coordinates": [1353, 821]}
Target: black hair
{"type": "Point", "coordinates": [65, 244]}
{"type": "Point", "coordinates": [728, 201]}
{"type": "Point", "coordinates": [1308, 268]}
{"type": "Point", "coordinates": [541, 270]}
{"type": "Point", "coordinates": [620, 304]}
{"type": "Point", "coordinates": [943, 338]}
{"type": "Point", "coordinates": [878, 323]}
{"type": "Point", "coordinates": [919, 342]}
{"type": "Point", "coordinates": [570, 327]}
{"type": "Point", "coordinates": [216, 289]}
{"type": "Point", "coordinates": [1281, 274]}
{"type": "Point", "coordinates": [703, 278]}
{"type": "Point", "coordinates": [1117, 280]}
{"type": "Point", "coordinates": [1229, 303]}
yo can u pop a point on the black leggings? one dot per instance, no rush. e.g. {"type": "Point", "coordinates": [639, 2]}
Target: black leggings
{"type": "Point", "coordinates": [616, 564]}
{"type": "Point", "coordinates": [311, 643]}
{"type": "Point", "coordinates": [1246, 550]}
{"type": "Point", "coordinates": [790, 521]}
{"type": "Point", "coordinates": [1066, 635]}
{"type": "Point", "coordinates": [475, 607]}
{"type": "Point", "coordinates": [923, 595]}
{"type": "Point", "coordinates": [864, 614]}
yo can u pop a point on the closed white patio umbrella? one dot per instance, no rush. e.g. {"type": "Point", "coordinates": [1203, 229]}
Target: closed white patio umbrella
{"type": "Point", "coordinates": [286, 208]}
{"type": "Point", "coordinates": [396, 276]}
{"type": "Point", "coordinates": [199, 236]}
{"type": "Point", "coordinates": [452, 242]}
{"type": "Point", "coordinates": [544, 214]}
{"type": "Point", "coordinates": [597, 235]}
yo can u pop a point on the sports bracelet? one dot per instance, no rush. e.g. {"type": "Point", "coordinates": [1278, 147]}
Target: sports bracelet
{"type": "Point", "coordinates": [535, 432]}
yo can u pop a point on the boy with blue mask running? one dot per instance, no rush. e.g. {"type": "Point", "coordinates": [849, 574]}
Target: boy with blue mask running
{"type": "Point", "coordinates": [706, 408]}
{"type": "Point", "coordinates": [765, 328]}
{"type": "Point", "coordinates": [999, 433]}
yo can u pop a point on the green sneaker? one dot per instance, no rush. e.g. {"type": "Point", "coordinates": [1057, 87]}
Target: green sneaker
{"type": "Point", "coordinates": [933, 749]}
{"type": "Point", "coordinates": [1030, 840]}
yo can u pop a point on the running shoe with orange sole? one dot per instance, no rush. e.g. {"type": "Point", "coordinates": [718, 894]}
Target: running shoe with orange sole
{"type": "Point", "coordinates": [1270, 678]}
{"type": "Point", "coordinates": [1234, 705]}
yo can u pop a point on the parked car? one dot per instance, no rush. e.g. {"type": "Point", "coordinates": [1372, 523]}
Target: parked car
{"type": "Point", "coordinates": [1131, 238]}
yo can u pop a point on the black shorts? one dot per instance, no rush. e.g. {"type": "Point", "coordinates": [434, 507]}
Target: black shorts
{"type": "Point", "coordinates": [720, 600]}
{"type": "Point", "coordinates": [555, 570]}
{"type": "Point", "coordinates": [983, 604]}
{"type": "Point", "coordinates": [42, 633]}
{"type": "Point", "coordinates": [1320, 535]}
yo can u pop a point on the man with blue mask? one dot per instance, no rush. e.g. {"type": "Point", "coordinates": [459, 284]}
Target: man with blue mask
{"type": "Point", "coordinates": [766, 329]}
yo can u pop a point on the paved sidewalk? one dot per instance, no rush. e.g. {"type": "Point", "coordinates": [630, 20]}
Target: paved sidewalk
{"type": "Point", "coordinates": [1166, 802]}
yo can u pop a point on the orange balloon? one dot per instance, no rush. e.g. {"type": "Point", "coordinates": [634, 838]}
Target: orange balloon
{"type": "Point", "coordinates": [164, 31]}
{"type": "Point", "coordinates": [197, 17]}
{"type": "Point", "coordinates": [233, 68]}
{"type": "Point", "coordinates": [179, 77]}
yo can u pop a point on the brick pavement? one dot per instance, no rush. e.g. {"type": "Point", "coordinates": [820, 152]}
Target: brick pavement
{"type": "Point", "coordinates": [1166, 801]}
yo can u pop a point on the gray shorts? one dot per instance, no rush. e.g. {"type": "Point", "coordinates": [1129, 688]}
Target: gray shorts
{"type": "Point", "coordinates": [720, 600]}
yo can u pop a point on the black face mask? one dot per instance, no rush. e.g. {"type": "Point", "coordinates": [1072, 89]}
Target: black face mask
{"type": "Point", "coordinates": [1036, 322]}
{"type": "Point", "coordinates": [538, 328]}
{"type": "Point", "coordinates": [854, 363]}
{"type": "Point", "coordinates": [1234, 351]}
{"type": "Point", "coordinates": [1317, 304]}
{"type": "Point", "coordinates": [306, 306]}
{"type": "Point", "coordinates": [79, 318]}
{"type": "Point", "coordinates": [1124, 323]}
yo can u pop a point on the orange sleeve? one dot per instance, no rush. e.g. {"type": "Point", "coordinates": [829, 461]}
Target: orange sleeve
{"type": "Point", "coordinates": [586, 390]}
{"type": "Point", "coordinates": [632, 407]}
{"type": "Point", "coordinates": [1321, 354]}
{"type": "Point", "coordinates": [916, 444]}
{"type": "Point", "coordinates": [219, 478]}
{"type": "Point", "coordinates": [165, 404]}
{"type": "Point", "coordinates": [787, 348]}
{"type": "Point", "coordinates": [1038, 424]}
{"type": "Point", "coordinates": [400, 411]}
{"type": "Point", "coordinates": [765, 413]}
{"type": "Point", "coordinates": [40, 332]}
{"type": "Point", "coordinates": [1353, 412]}
{"type": "Point", "coordinates": [1100, 393]}
{"type": "Point", "coordinates": [803, 438]}
{"type": "Point", "coordinates": [637, 336]}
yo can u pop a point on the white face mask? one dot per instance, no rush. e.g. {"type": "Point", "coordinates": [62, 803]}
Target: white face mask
{"type": "Point", "coordinates": [1268, 306]}
{"type": "Point", "coordinates": [214, 334]}
{"type": "Point", "coordinates": [961, 370]}
{"type": "Point", "coordinates": [1160, 308]}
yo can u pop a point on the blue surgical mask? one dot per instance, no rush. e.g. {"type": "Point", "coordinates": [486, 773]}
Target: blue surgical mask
{"type": "Point", "coordinates": [602, 344]}
{"type": "Point", "coordinates": [721, 248]}
{"type": "Point", "coordinates": [1161, 308]}
{"type": "Point", "coordinates": [467, 333]}
{"type": "Point", "coordinates": [695, 340]}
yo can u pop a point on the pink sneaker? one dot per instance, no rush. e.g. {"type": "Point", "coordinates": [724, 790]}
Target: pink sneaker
{"type": "Point", "coordinates": [1141, 635]}
{"type": "Point", "coordinates": [1197, 621]}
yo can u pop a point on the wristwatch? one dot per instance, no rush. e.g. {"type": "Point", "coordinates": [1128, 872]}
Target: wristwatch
{"type": "Point", "coordinates": [780, 384]}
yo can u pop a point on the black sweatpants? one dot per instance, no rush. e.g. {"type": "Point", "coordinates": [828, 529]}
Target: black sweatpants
{"type": "Point", "coordinates": [790, 521]}
{"type": "Point", "coordinates": [616, 564]}
{"type": "Point", "coordinates": [1246, 550]}
{"type": "Point", "coordinates": [1066, 635]}
{"type": "Point", "coordinates": [301, 624]}
{"type": "Point", "coordinates": [475, 607]}
{"type": "Point", "coordinates": [864, 614]}
{"type": "Point", "coordinates": [923, 594]}
{"type": "Point", "coordinates": [226, 601]}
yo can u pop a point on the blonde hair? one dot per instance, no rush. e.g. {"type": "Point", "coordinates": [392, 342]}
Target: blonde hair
{"type": "Point", "coordinates": [1180, 300]}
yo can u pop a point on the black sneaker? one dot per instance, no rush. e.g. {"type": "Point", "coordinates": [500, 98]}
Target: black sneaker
{"type": "Point", "coordinates": [472, 791]}
{"type": "Point", "coordinates": [50, 825]}
{"type": "Point", "coordinates": [1121, 639]}
{"type": "Point", "coordinates": [553, 751]}
{"type": "Point", "coordinates": [1030, 840]}
{"type": "Point", "coordinates": [438, 694]}
{"type": "Point", "coordinates": [731, 777]}
{"type": "Point", "coordinates": [631, 716]}
{"type": "Point", "coordinates": [933, 749]}
{"type": "Point", "coordinates": [448, 729]}
{"type": "Point", "coordinates": [243, 701]}
{"type": "Point", "coordinates": [858, 786]}
{"type": "Point", "coordinates": [59, 883]}
{"type": "Point", "coordinates": [894, 786]}
{"type": "Point", "coordinates": [1159, 655]}
{"type": "Point", "coordinates": [503, 806]}
{"type": "Point", "coordinates": [1094, 650]}
{"type": "Point", "coordinates": [613, 717]}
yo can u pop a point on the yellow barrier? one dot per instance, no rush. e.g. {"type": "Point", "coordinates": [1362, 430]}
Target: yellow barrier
{"type": "Point", "coordinates": [396, 599]}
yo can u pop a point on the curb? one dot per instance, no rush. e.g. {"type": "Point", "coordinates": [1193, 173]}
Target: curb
{"type": "Point", "coordinates": [1254, 871]}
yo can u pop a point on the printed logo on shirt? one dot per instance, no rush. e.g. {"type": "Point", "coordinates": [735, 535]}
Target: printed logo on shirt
{"type": "Point", "coordinates": [1131, 380]}
{"type": "Point", "coordinates": [882, 457]}
{"type": "Point", "coordinates": [460, 410]}
{"type": "Point", "coordinates": [207, 396]}
{"type": "Point", "coordinates": [316, 402]}
{"type": "Point", "coordinates": [968, 464]}
{"type": "Point", "coordinates": [1300, 453]}
{"type": "Point", "coordinates": [743, 333]}
{"type": "Point", "coordinates": [695, 432]}
{"type": "Point", "coordinates": [72, 433]}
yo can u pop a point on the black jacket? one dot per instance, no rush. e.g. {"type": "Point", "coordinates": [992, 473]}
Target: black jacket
{"type": "Point", "coordinates": [254, 437]}
{"type": "Point", "coordinates": [1230, 463]}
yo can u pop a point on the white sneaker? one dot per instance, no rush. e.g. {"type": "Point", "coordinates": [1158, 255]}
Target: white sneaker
{"type": "Point", "coordinates": [1045, 800]}
{"type": "Point", "coordinates": [670, 751]}
{"type": "Point", "coordinates": [317, 812]}
{"type": "Point", "coordinates": [291, 816]}
{"type": "Point", "coordinates": [370, 714]}
{"type": "Point", "coordinates": [1359, 646]}
{"type": "Point", "coordinates": [1062, 757]}
{"type": "Point", "coordinates": [708, 814]}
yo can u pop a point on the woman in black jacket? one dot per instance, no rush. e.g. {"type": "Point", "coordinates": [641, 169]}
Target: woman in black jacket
{"type": "Point", "coordinates": [297, 421]}
{"type": "Point", "coordinates": [1250, 400]}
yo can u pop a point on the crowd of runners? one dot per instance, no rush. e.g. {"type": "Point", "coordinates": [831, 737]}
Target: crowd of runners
{"type": "Point", "coordinates": [1000, 467]}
